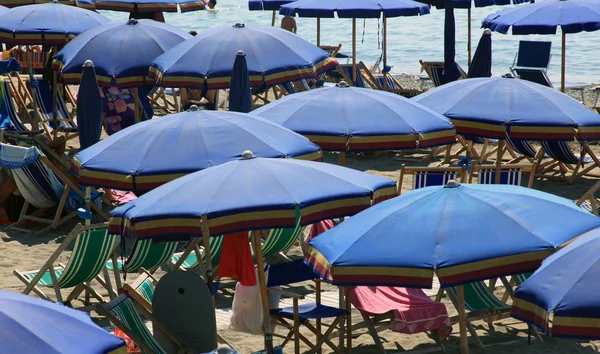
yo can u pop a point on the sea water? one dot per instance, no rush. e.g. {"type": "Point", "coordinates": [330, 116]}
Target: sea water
{"type": "Point", "coordinates": [409, 38]}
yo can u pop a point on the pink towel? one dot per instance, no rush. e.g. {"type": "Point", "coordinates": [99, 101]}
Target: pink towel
{"type": "Point", "coordinates": [414, 311]}
{"type": "Point", "coordinates": [119, 198]}
{"type": "Point", "coordinates": [319, 228]}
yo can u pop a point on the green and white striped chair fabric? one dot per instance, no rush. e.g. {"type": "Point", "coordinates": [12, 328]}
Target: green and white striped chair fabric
{"type": "Point", "coordinates": [146, 254]}
{"type": "Point", "coordinates": [191, 262]}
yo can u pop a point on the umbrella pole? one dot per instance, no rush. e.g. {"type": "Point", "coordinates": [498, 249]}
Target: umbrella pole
{"type": "Point", "coordinates": [563, 60]}
{"type": "Point", "coordinates": [469, 35]}
{"type": "Point", "coordinates": [206, 240]}
{"type": "Point", "coordinates": [353, 51]}
{"type": "Point", "coordinates": [462, 320]}
{"type": "Point", "coordinates": [54, 98]}
{"type": "Point", "coordinates": [136, 106]}
{"type": "Point", "coordinates": [88, 200]}
{"type": "Point", "coordinates": [342, 158]}
{"type": "Point", "coordinates": [36, 116]}
{"type": "Point", "coordinates": [318, 31]}
{"type": "Point", "coordinates": [273, 19]}
{"type": "Point", "coordinates": [384, 52]}
{"type": "Point", "coordinates": [263, 292]}
{"type": "Point", "coordinates": [498, 161]}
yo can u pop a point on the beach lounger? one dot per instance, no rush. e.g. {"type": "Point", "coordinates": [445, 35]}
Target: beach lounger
{"type": "Point", "coordinates": [297, 315]}
{"type": "Point", "coordinates": [10, 116]}
{"type": "Point", "coordinates": [296, 86]}
{"type": "Point", "coordinates": [523, 147]}
{"type": "Point", "coordinates": [566, 161]}
{"type": "Point", "coordinates": [402, 310]}
{"type": "Point", "coordinates": [364, 78]}
{"type": "Point", "coordinates": [532, 61]}
{"type": "Point", "coordinates": [332, 50]}
{"type": "Point", "coordinates": [511, 174]}
{"type": "Point", "coordinates": [191, 261]}
{"type": "Point", "coordinates": [435, 71]}
{"type": "Point", "coordinates": [588, 200]}
{"type": "Point", "coordinates": [92, 248]}
{"type": "Point", "coordinates": [394, 86]}
{"type": "Point", "coordinates": [43, 98]}
{"type": "Point", "coordinates": [124, 312]}
{"type": "Point", "coordinates": [159, 99]}
{"type": "Point", "coordinates": [431, 176]}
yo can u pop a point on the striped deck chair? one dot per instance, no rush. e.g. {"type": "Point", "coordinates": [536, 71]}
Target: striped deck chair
{"type": "Point", "coordinates": [43, 98]}
{"type": "Point", "coordinates": [92, 248]}
{"type": "Point", "coordinates": [567, 162]}
{"type": "Point", "coordinates": [511, 174]}
{"type": "Point", "coordinates": [296, 86]}
{"type": "Point", "coordinates": [191, 262]}
{"type": "Point", "coordinates": [124, 312]}
{"type": "Point", "coordinates": [435, 71]}
{"type": "Point", "coordinates": [588, 200]}
{"type": "Point", "coordinates": [431, 176]}
{"type": "Point", "coordinates": [364, 78]}
{"type": "Point", "coordinates": [394, 86]}
{"type": "Point", "coordinates": [523, 147]}
{"type": "Point", "coordinates": [7, 107]}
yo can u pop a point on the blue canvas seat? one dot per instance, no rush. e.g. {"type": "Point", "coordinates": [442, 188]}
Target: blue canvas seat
{"type": "Point", "coordinates": [43, 99]}
{"type": "Point", "coordinates": [303, 315]}
{"type": "Point", "coordinates": [532, 61]}
{"type": "Point", "coordinates": [431, 176]}
{"type": "Point", "coordinates": [435, 71]}
{"type": "Point", "coordinates": [511, 174]}
{"type": "Point", "coordinates": [567, 162]}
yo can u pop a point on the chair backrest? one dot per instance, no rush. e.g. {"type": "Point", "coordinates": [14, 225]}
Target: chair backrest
{"type": "Point", "coordinates": [534, 75]}
{"type": "Point", "coordinates": [346, 71]}
{"type": "Point", "coordinates": [392, 83]}
{"type": "Point", "coordinates": [8, 108]}
{"type": "Point", "coordinates": [124, 310]}
{"type": "Point", "coordinates": [533, 54]}
{"type": "Point", "coordinates": [296, 86]}
{"type": "Point", "coordinates": [435, 71]}
{"type": "Point", "coordinates": [93, 247]}
{"type": "Point", "coordinates": [281, 240]}
{"type": "Point", "coordinates": [431, 176]}
{"type": "Point", "coordinates": [289, 273]}
{"type": "Point", "coordinates": [560, 151]}
{"type": "Point", "coordinates": [523, 147]}
{"type": "Point", "coordinates": [216, 245]}
{"type": "Point", "coordinates": [511, 174]}
{"type": "Point", "coordinates": [43, 99]}
{"type": "Point", "coordinates": [149, 255]}
{"type": "Point", "coordinates": [332, 50]}
{"type": "Point", "coordinates": [479, 297]}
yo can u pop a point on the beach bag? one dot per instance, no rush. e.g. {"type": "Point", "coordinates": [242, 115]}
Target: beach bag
{"type": "Point", "coordinates": [129, 344]}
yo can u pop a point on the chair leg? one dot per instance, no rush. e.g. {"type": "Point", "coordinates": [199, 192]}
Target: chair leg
{"type": "Point", "coordinates": [373, 333]}
{"type": "Point", "coordinates": [55, 285]}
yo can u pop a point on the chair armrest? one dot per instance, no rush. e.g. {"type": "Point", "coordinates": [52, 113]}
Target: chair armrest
{"type": "Point", "coordinates": [286, 293]}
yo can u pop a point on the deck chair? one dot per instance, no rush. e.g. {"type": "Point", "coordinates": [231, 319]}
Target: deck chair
{"type": "Point", "coordinates": [394, 86]}
{"type": "Point", "coordinates": [279, 241]}
{"type": "Point", "coordinates": [332, 50]}
{"type": "Point", "coordinates": [302, 315]}
{"type": "Point", "coordinates": [8, 109]}
{"type": "Point", "coordinates": [523, 147]}
{"type": "Point", "coordinates": [124, 312]}
{"type": "Point", "coordinates": [93, 246]}
{"type": "Point", "coordinates": [566, 161]}
{"type": "Point", "coordinates": [39, 57]}
{"type": "Point", "coordinates": [532, 61]}
{"type": "Point", "coordinates": [431, 176]}
{"type": "Point", "coordinates": [191, 262]}
{"type": "Point", "coordinates": [364, 78]}
{"type": "Point", "coordinates": [43, 97]}
{"type": "Point", "coordinates": [435, 71]}
{"type": "Point", "coordinates": [588, 200]}
{"type": "Point", "coordinates": [509, 174]}
{"type": "Point", "coordinates": [159, 99]}
{"type": "Point", "coordinates": [296, 86]}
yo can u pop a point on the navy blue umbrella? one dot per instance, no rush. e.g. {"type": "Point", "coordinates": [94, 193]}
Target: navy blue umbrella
{"type": "Point", "coordinates": [89, 107]}
{"type": "Point", "coordinates": [240, 98]}
{"type": "Point", "coordinates": [481, 66]}
{"type": "Point", "coordinates": [267, 5]}
{"type": "Point", "coordinates": [451, 72]}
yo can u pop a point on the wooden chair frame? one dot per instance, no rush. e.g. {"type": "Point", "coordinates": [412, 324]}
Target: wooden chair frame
{"type": "Point", "coordinates": [404, 170]}
{"type": "Point", "coordinates": [522, 168]}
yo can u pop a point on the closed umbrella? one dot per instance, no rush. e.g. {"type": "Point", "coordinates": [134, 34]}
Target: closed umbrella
{"type": "Point", "coordinates": [481, 66]}
{"type": "Point", "coordinates": [240, 97]}
{"type": "Point", "coordinates": [267, 5]}
{"type": "Point", "coordinates": [89, 107]}
{"type": "Point", "coordinates": [451, 72]}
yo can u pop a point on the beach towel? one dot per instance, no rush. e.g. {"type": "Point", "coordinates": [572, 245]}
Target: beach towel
{"type": "Point", "coordinates": [118, 108]}
{"type": "Point", "coordinates": [121, 198]}
{"type": "Point", "coordinates": [414, 311]}
{"type": "Point", "coordinates": [319, 228]}
{"type": "Point", "coordinates": [236, 259]}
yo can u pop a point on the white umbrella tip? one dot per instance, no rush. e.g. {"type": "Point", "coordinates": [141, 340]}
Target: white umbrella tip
{"type": "Point", "coordinates": [132, 21]}
{"type": "Point", "coordinates": [88, 64]}
{"type": "Point", "coordinates": [239, 25]}
{"type": "Point", "coordinates": [342, 84]}
{"type": "Point", "coordinates": [487, 32]}
{"type": "Point", "coordinates": [508, 76]}
{"type": "Point", "coordinates": [247, 155]}
{"type": "Point", "coordinates": [452, 184]}
{"type": "Point", "coordinates": [240, 53]}
{"type": "Point", "coordinates": [193, 108]}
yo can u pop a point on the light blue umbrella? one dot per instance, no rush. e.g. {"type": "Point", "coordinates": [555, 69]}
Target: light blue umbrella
{"type": "Point", "coordinates": [89, 107]}
{"type": "Point", "coordinates": [34, 326]}
{"type": "Point", "coordinates": [566, 286]}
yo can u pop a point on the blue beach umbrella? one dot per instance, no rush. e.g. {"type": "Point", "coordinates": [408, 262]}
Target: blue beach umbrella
{"type": "Point", "coordinates": [149, 154]}
{"type": "Point", "coordinates": [86, 4]}
{"type": "Point", "coordinates": [3, 9]}
{"type": "Point", "coordinates": [544, 17]}
{"type": "Point", "coordinates": [566, 286]}
{"type": "Point", "coordinates": [121, 51]}
{"type": "Point", "coordinates": [48, 24]}
{"type": "Point", "coordinates": [267, 5]}
{"type": "Point", "coordinates": [240, 97]}
{"type": "Point", "coordinates": [34, 326]}
{"type": "Point", "coordinates": [150, 5]}
{"type": "Point", "coordinates": [481, 66]}
{"type": "Point", "coordinates": [273, 56]}
{"type": "Point", "coordinates": [451, 72]}
{"type": "Point", "coordinates": [495, 107]}
{"type": "Point", "coordinates": [89, 107]}
{"type": "Point", "coordinates": [343, 118]}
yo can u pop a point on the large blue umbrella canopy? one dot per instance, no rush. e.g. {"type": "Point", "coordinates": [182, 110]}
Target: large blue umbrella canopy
{"type": "Point", "coordinates": [86, 4]}
{"type": "Point", "coordinates": [462, 233]}
{"type": "Point", "coordinates": [89, 108]}
{"type": "Point", "coordinates": [34, 326]}
{"type": "Point", "coordinates": [268, 5]}
{"type": "Point", "coordinates": [249, 194]}
{"type": "Point", "coordinates": [481, 66]}
{"type": "Point", "coordinates": [544, 17]}
{"type": "Point", "coordinates": [240, 97]}
{"type": "Point", "coordinates": [495, 107]}
{"type": "Point", "coordinates": [150, 5]}
{"type": "Point", "coordinates": [121, 51]}
{"type": "Point", "coordinates": [49, 24]}
{"type": "Point", "coordinates": [566, 285]}
{"type": "Point", "coordinates": [342, 118]}
{"type": "Point", "coordinates": [3, 9]}
{"type": "Point", "coordinates": [273, 56]}
{"type": "Point", "coordinates": [149, 154]}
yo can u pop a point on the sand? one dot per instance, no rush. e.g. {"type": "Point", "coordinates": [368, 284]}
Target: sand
{"type": "Point", "coordinates": [26, 251]}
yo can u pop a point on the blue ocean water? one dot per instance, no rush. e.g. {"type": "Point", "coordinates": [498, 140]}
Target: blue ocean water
{"type": "Point", "coordinates": [409, 38]}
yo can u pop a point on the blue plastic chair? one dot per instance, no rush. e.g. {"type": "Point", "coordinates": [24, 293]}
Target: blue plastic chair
{"type": "Point", "coordinates": [532, 61]}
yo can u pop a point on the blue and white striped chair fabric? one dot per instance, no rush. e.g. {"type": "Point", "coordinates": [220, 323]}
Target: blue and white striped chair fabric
{"type": "Point", "coordinates": [561, 152]}
{"type": "Point", "coordinates": [346, 71]}
{"type": "Point", "coordinates": [9, 107]}
{"type": "Point", "coordinates": [509, 176]}
{"type": "Point", "coordinates": [423, 179]}
{"type": "Point", "coordinates": [290, 87]}
{"type": "Point", "coordinates": [43, 99]}
{"type": "Point", "coordinates": [523, 147]}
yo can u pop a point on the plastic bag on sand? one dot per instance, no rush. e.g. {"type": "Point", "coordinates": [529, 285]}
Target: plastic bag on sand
{"type": "Point", "coordinates": [247, 315]}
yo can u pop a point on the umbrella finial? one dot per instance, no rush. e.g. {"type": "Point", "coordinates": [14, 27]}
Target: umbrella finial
{"type": "Point", "coordinates": [239, 25]}
{"type": "Point", "coordinates": [241, 53]}
{"type": "Point", "coordinates": [487, 32]}
{"type": "Point", "coordinates": [342, 84]}
{"type": "Point", "coordinates": [193, 108]}
{"type": "Point", "coordinates": [452, 184]}
{"type": "Point", "coordinates": [132, 21]}
{"type": "Point", "coordinates": [88, 64]}
{"type": "Point", "coordinates": [247, 155]}
{"type": "Point", "coordinates": [508, 76]}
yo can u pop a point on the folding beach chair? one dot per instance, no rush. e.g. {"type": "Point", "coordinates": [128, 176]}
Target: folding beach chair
{"type": "Point", "coordinates": [302, 315]}
{"type": "Point", "coordinates": [332, 50]}
{"type": "Point", "coordinates": [532, 61]}
{"type": "Point", "coordinates": [191, 262]}
{"type": "Point", "coordinates": [509, 174]}
{"type": "Point", "coordinates": [279, 241]}
{"type": "Point", "coordinates": [296, 86]}
{"type": "Point", "coordinates": [566, 161]}
{"type": "Point", "coordinates": [523, 147]}
{"type": "Point", "coordinates": [364, 78]}
{"type": "Point", "coordinates": [43, 98]}
{"type": "Point", "coordinates": [394, 86]}
{"type": "Point", "coordinates": [588, 200]}
{"type": "Point", "coordinates": [93, 247]}
{"type": "Point", "coordinates": [8, 110]}
{"type": "Point", "coordinates": [435, 71]}
{"type": "Point", "coordinates": [159, 99]}
{"type": "Point", "coordinates": [124, 312]}
{"type": "Point", "coordinates": [431, 176]}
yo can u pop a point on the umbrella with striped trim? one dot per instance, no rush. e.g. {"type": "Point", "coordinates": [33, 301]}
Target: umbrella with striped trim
{"type": "Point", "coordinates": [150, 5]}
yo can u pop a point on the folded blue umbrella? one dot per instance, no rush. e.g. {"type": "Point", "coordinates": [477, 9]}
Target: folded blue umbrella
{"type": "Point", "coordinates": [240, 97]}
{"type": "Point", "coordinates": [481, 65]}
{"type": "Point", "coordinates": [89, 108]}
{"type": "Point", "coordinates": [34, 326]}
{"type": "Point", "coordinates": [121, 51]}
{"type": "Point", "coordinates": [49, 24]}
{"type": "Point", "coordinates": [268, 5]}
{"type": "Point", "coordinates": [566, 286]}
{"type": "Point", "coordinates": [460, 232]}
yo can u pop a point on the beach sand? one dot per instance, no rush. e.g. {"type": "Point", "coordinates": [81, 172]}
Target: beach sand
{"type": "Point", "coordinates": [28, 251]}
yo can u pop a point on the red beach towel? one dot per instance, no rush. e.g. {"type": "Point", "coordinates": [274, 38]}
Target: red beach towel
{"type": "Point", "coordinates": [319, 228]}
{"type": "Point", "coordinates": [236, 259]}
